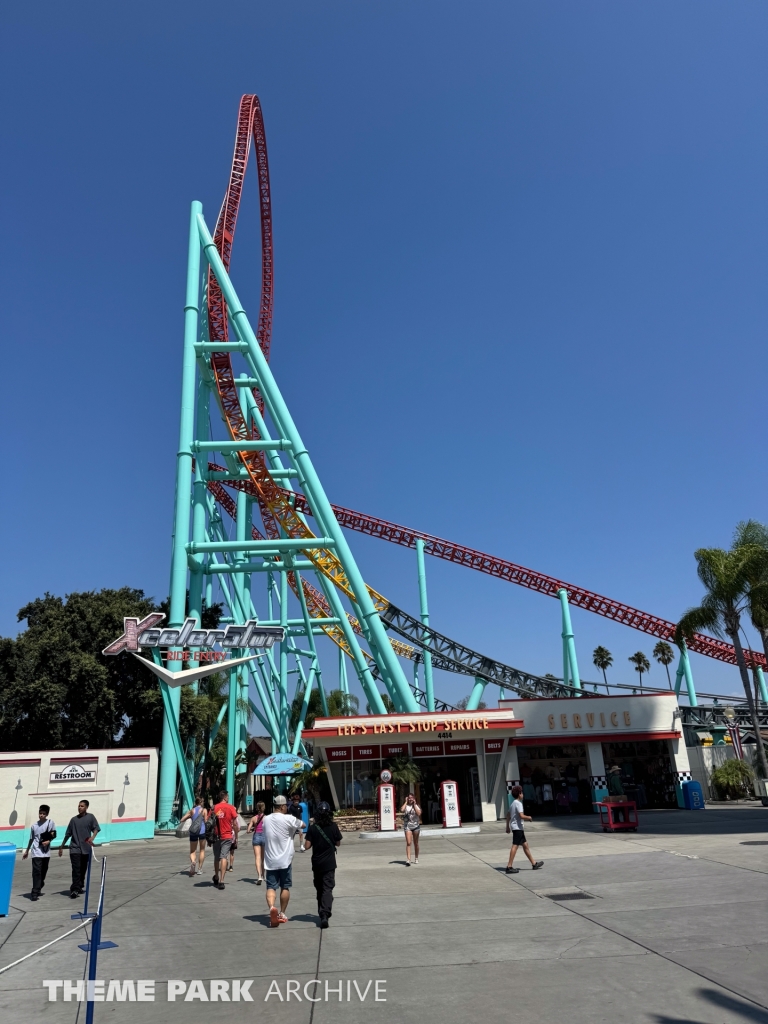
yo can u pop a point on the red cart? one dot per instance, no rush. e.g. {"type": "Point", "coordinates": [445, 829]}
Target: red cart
{"type": "Point", "coordinates": [607, 811]}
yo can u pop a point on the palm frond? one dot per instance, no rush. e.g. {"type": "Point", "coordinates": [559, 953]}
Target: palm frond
{"type": "Point", "coordinates": [703, 616]}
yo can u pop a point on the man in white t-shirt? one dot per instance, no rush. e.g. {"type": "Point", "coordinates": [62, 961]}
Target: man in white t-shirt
{"type": "Point", "coordinates": [515, 819]}
{"type": "Point", "coordinates": [279, 830]}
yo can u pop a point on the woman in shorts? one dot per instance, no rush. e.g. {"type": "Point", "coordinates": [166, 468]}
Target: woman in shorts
{"type": "Point", "coordinates": [198, 816]}
{"type": "Point", "coordinates": [411, 826]}
{"type": "Point", "coordinates": [256, 826]}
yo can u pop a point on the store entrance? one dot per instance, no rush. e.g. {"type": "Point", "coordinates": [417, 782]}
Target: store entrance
{"type": "Point", "coordinates": [647, 776]}
{"type": "Point", "coordinates": [555, 780]}
{"type": "Point", "coordinates": [434, 771]}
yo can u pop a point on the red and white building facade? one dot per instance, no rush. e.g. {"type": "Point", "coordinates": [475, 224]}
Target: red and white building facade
{"type": "Point", "coordinates": [521, 740]}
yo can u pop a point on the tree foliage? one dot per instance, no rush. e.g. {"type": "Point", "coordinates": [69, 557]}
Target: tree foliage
{"type": "Point", "coordinates": [57, 690]}
{"type": "Point", "coordinates": [732, 778]}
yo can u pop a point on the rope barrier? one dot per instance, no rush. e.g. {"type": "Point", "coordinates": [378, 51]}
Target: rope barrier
{"type": "Point", "coordinates": [51, 943]}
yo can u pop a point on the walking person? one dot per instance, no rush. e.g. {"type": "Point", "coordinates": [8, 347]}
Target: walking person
{"type": "Point", "coordinates": [279, 830]}
{"type": "Point", "coordinates": [196, 833]}
{"type": "Point", "coordinates": [412, 827]}
{"type": "Point", "coordinates": [41, 835]}
{"type": "Point", "coordinates": [299, 810]}
{"type": "Point", "coordinates": [81, 831]}
{"type": "Point", "coordinates": [222, 816]}
{"type": "Point", "coordinates": [323, 838]}
{"type": "Point", "coordinates": [256, 826]}
{"type": "Point", "coordinates": [515, 819]}
{"type": "Point", "coordinates": [238, 824]}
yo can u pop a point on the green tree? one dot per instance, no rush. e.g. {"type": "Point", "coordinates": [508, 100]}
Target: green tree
{"type": "Point", "coordinates": [752, 533]}
{"type": "Point", "coordinates": [405, 774]}
{"type": "Point", "coordinates": [340, 704]}
{"type": "Point", "coordinates": [728, 577]}
{"type": "Point", "coordinates": [57, 690]}
{"type": "Point", "coordinates": [641, 664]}
{"type": "Point", "coordinates": [732, 778]}
{"type": "Point", "coordinates": [389, 705]}
{"type": "Point", "coordinates": [664, 654]}
{"type": "Point", "coordinates": [602, 659]}
{"type": "Point", "coordinates": [461, 705]}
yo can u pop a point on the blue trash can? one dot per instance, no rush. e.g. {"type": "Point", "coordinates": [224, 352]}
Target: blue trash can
{"type": "Point", "coordinates": [693, 797]}
{"type": "Point", "coordinates": [7, 865]}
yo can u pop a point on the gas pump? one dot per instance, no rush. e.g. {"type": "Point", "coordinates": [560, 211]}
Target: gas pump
{"type": "Point", "coordinates": [385, 803]}
{"type": "Point", "coordinates": [449, 802]}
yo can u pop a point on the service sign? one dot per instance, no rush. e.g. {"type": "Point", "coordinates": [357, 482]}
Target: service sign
{"type": "Point", "coordinates": [74, 773]}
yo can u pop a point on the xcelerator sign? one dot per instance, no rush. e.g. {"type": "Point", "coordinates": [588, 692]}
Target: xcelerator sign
{"type": "Point", "coordinates": [188, 643]}
{"type": "Point", "coordinates": [146, 633]}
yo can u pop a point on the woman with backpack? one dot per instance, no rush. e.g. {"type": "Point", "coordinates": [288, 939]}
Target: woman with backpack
{"type": "Point", "coordinates": [256, 825]}
{"type": "Point", "coordinates": [323, 838]}
{"type": "Point", "coordinates": [199, 816]}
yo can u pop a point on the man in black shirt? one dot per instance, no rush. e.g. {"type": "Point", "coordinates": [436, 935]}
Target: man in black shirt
{"type": "Point", "coordinates": [81, 830]}
{"type": "Point", "coordinates": [323, 838]}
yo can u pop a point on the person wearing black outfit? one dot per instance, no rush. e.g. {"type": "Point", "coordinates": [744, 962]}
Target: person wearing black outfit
{"type": "Point", "coordinates": [81, 830]}
{"type": "Point", "coordinates": [323, 838]}
{"type": "Point", "coordinates": [41, 835]}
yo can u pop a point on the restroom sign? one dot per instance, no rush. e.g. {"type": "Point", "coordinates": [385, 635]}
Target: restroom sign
{"type": "Point", "coordinates": [74, 773]}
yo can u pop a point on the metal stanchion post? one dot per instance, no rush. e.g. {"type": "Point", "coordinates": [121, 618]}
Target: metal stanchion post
{"type": "Point", "coordinates": [97, 920]}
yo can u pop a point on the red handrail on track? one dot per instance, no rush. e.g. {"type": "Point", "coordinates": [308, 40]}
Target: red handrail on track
{"type": "Point", "coordinates": [513, 573]}
{"type": "Point", "coordinates": [262, 486]}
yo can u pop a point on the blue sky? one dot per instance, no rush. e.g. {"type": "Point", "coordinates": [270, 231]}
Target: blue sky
{"type": "Point", "coordinates": [520, 256]}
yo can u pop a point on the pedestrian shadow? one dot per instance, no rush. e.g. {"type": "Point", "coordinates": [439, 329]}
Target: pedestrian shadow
{"type": "Point", "coordinates": [262, 919]}
{"type": "Point", "coordinates": [250, 881]}
{"type": "Point", "coordinates": [748, 1011]}
{"type": "Point", "coordinates": [403, 862]}
{"type": "Point", "coordinates": [755, 842]}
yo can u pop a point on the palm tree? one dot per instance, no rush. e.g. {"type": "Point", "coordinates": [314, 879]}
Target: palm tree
{"type": "Point", "coordinates": [753, 533]}
{"type": "Point", "coordinates": [664, 654]}
{"type": "Point", "coordinates": [641, 664]}
{"type": "Point", "coordinates": [728, 577]}
{"type": "Point", "coordinates": [602, 659]}
{"type": "Point", "coordinates": [405, 774]}
{"type": "Point", "coordinates": [340, 704]}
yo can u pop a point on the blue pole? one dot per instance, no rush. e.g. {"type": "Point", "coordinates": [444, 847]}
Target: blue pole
{"type": "Point", "coordinates": [761, 683]}
{"type": "Point", "coordinates": [568, 640]}
{"type": "Point", "coordinates": [689, 678]}
{"type": "Point", "coordinates": [167, 786]}
{"type": "Point", "coordinates": [429, 686]}
{"type": "Point", "coordinates": [477, 694]}
{"type": "Point", "coordinates": [372, 626]}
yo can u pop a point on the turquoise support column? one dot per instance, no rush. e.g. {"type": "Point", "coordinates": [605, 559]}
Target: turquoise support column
{"type": "Point", "coordinates": [310, 639]}
{"type": "Point", "coordinates": [568, 641]}
{"type": "Point", "coordinates": [429, 685]}
{"type": "Point", "coordinates": [371, 624]}
{"type": "Point", "coordinates": [167, 783]}
{"type": "Point", "coordinates": [761, 684]}
{"type": "Point", "coordinates": [232, 733]}
{"type": "Point", "coordinates": [343, 680]}
{"type": "Point", "coordinates": [477, 694]}
{"type": "Point", "coordinates": [684, 669]}
{"type": "Point", "coordinates": [284, 713]}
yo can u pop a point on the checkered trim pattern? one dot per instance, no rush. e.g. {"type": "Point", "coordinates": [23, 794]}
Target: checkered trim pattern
{"type": "Point", "coordinates": [511, 783]}
{"type": "Point", "coordinates": [598, 781]}
{"type": "Point", "coordinates": [684, 777]}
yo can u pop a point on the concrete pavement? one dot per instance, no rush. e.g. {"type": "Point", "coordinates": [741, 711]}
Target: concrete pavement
{"type": "Point", "coordinates": [669, 925]}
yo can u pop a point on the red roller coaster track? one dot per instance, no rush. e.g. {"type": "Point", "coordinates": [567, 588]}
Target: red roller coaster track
{"type": "Point", "coordinates": [250, 124]}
